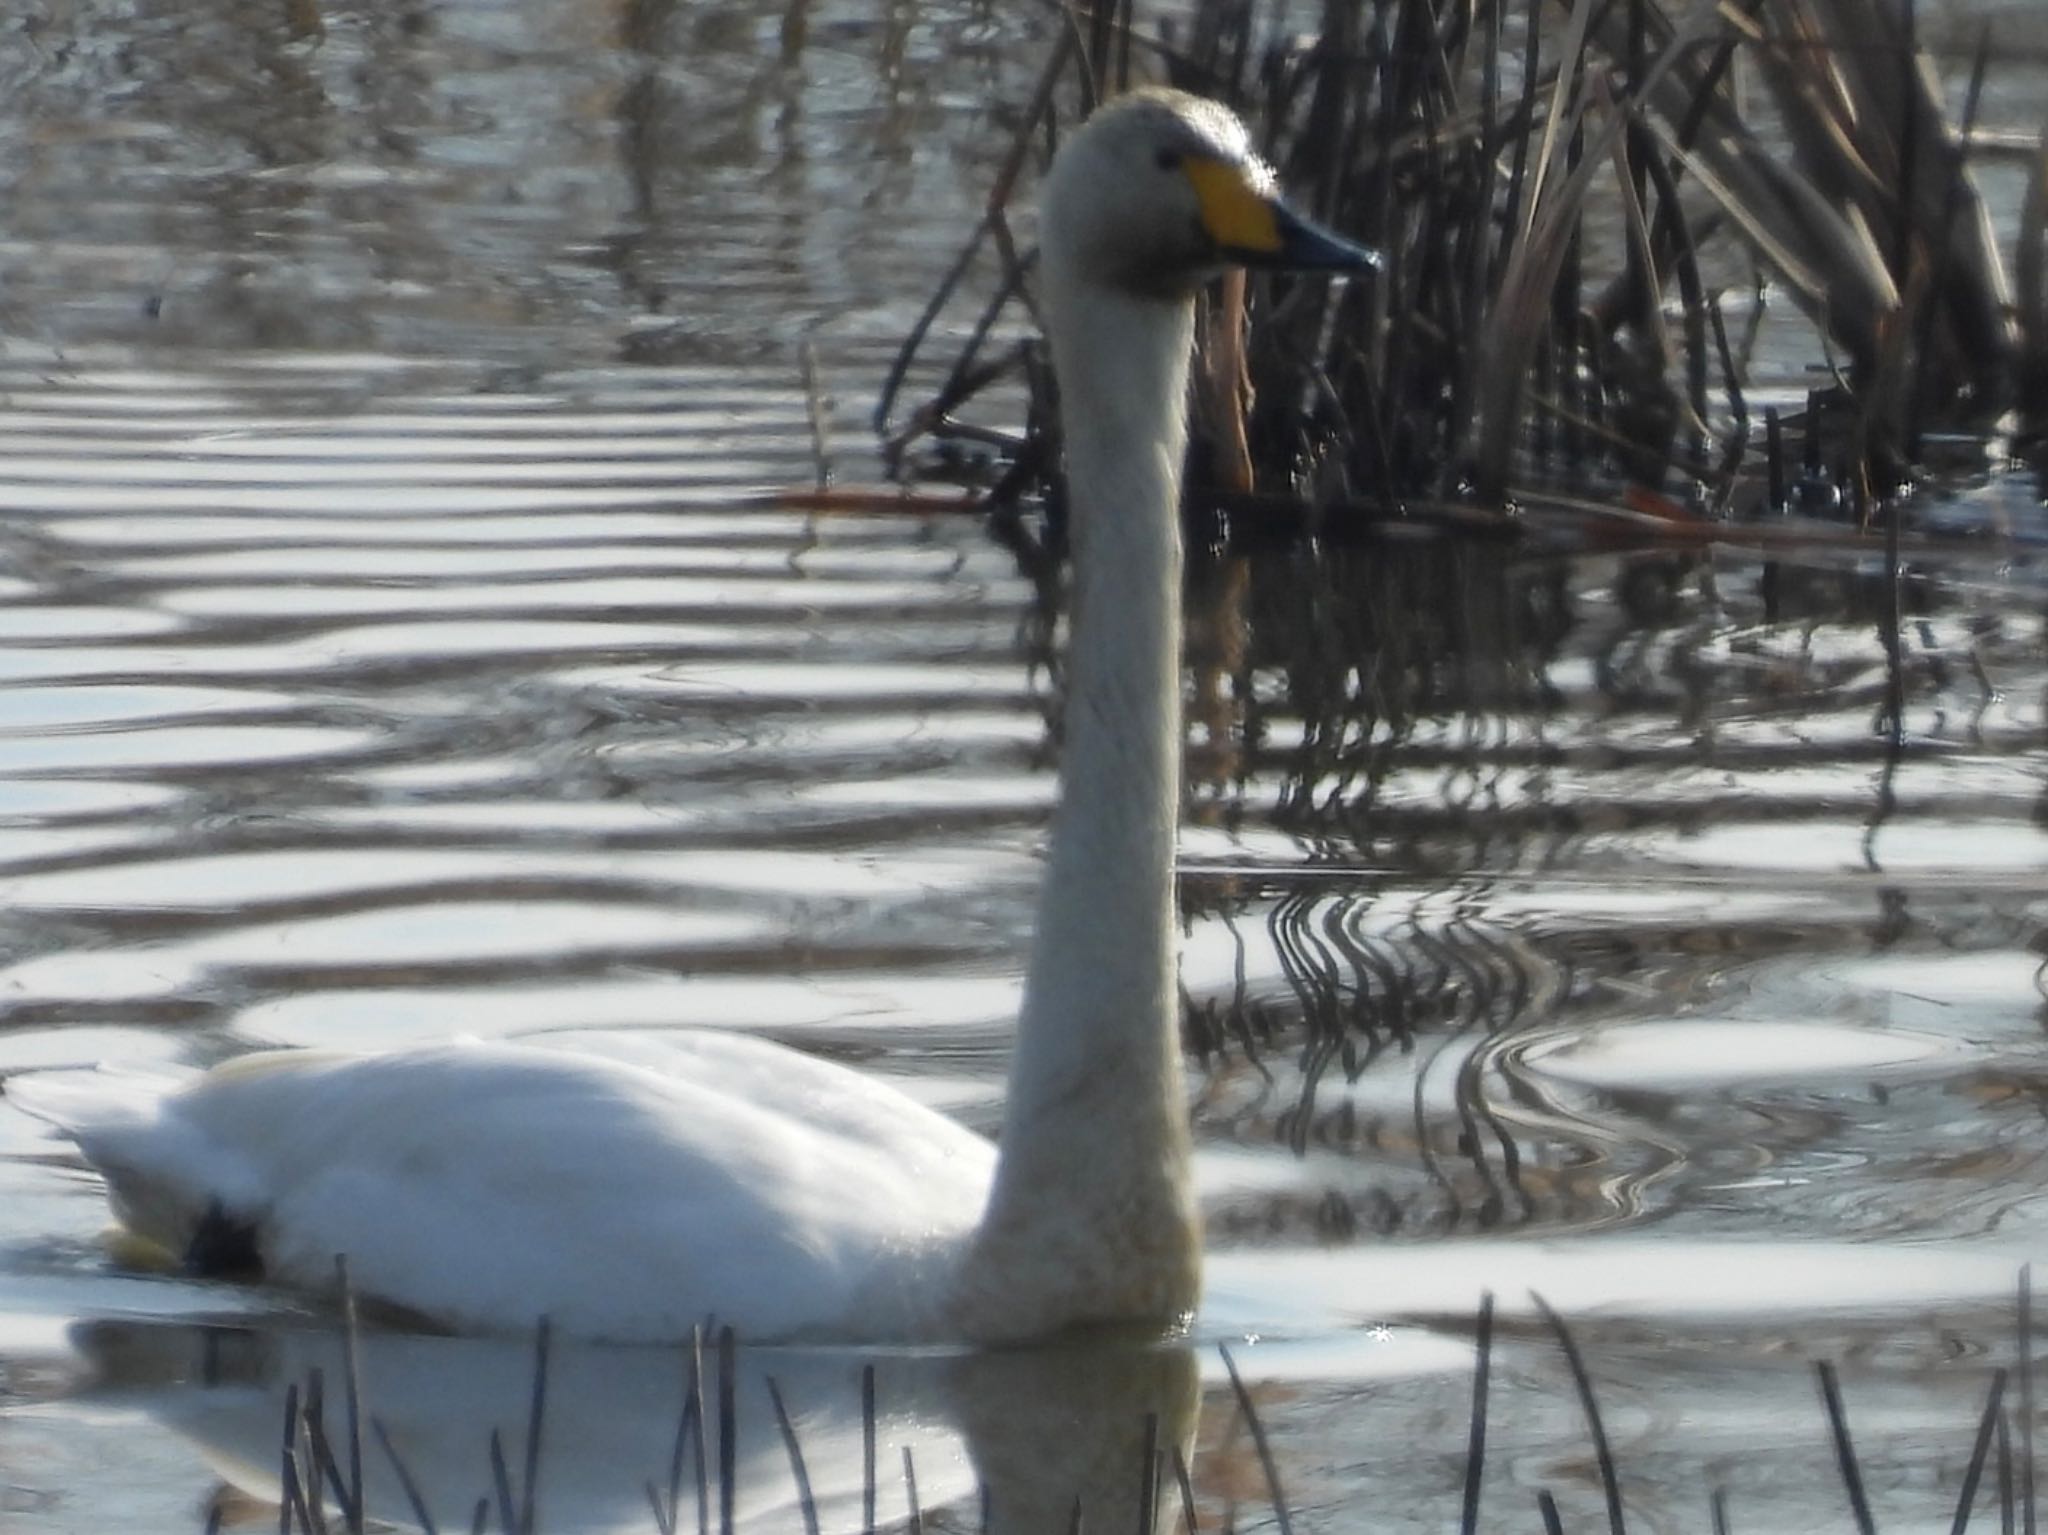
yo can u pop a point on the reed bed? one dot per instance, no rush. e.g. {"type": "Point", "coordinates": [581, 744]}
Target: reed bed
{"type": "Point", "coordinates": [1585, 207]}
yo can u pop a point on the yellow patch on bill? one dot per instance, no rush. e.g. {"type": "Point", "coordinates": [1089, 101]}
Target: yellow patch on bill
{"type": "Point", "coordinates": [1236, 210]}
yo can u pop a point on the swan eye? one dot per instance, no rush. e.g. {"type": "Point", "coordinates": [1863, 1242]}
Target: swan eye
{"type": "Point", "coordinates": [1167, 159]}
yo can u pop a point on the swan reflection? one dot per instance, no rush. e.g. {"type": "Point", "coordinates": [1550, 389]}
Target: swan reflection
{"type": "Point", "coordinates": [1035, 1432]}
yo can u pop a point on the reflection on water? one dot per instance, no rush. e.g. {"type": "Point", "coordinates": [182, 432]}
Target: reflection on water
{"type": "Point", "coordinates": [392, 643]}
{"type": "Point", "coordinates": [1584, 898]}
{"type": "Point", "coordinates": [1033, 1433]}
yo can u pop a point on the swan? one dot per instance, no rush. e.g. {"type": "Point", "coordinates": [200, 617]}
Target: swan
{"type": "Point", "coordinates": [630, 1187]}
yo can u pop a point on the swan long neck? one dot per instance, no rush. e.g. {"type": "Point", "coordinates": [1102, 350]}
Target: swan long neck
{"type": "Point", "coordinates": [1093, 1174]}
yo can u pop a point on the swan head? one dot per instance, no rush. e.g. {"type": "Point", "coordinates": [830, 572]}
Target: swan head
{"type": "Point", "coordinates": [1160, 190]}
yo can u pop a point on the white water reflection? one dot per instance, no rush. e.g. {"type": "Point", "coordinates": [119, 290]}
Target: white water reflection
{"type": "Point", "coordinates": [111, 706]}
{"type": "Point", "coordinates": [1681, 1055]}
{"type": "Point", "coordinates": [471, 931]}
{"type": "Point", "coordinates": [1037, 1432]}
{"type": "Point", "coordinates": [46, 622]}
{"type": "Point", "coordinates": [174, 746]}
{"type": "Point", "coordinates": [1665, 1282]}
{"type": "Point", "coordinates": [887, 1011]}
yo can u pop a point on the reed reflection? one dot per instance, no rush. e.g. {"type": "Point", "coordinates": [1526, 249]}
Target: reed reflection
{"type": "Point", "coordinates": [1037, 1437]}
{"type": "Point", "coordinates": [1526, 794]}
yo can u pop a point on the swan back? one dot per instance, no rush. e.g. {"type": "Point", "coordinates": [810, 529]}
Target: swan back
{"type": "Point", "coordinates": [627, 1189]}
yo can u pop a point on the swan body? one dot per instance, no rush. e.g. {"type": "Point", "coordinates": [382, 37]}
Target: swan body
{"type": "Point", "coordinates": [632, 1187]}
{"type": "Point", "coordinates": [626, 1187]}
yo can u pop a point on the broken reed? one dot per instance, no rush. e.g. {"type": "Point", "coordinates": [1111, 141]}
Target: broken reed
{"type": "Point", "coordinates": [1579, 217]}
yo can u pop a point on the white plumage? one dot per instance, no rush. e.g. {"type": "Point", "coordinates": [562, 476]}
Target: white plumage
{"type": "Point", "coordinates": [619, 1186]}
{"type": "Point", "coordinates": [630, 1187]}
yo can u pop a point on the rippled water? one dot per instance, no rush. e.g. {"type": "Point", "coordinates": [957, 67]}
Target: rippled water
{"type": "Point", "coordinates": [397, 638]}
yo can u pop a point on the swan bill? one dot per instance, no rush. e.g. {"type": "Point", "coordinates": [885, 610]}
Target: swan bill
{"type": "Point", "coordinates": [1308, 246]}
{"type": "Point", "coordinates": [1252, 227]}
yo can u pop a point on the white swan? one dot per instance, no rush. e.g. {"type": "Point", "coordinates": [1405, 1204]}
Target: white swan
{"type": "Point", "coordinates": [630, 1187]}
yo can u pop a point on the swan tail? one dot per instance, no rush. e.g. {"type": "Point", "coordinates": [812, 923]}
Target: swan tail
{"type": "Point", "coordinates": [168, 1183]}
